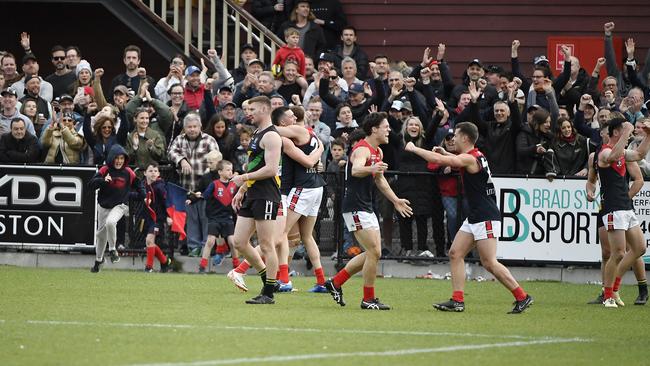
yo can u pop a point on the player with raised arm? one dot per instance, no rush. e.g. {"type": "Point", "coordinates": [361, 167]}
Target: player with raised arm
{"type": "Point", "coordinates": [483, 223]}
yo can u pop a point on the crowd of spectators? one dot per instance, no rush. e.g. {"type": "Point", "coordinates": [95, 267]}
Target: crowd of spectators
{"type": "Point", "coordinates": [530, 122]}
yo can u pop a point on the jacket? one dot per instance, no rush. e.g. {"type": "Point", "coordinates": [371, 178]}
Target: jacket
{"type": "Point", "coordinates": [314, 42]}
{"type": "Point", "coordinates": [123, 183]}
{"type": "Point", "coordinates": [528, 160]}
{"type": "Point", "coordinates": [568, 158]}
{"type": "Point", "coordinates": [358, 55]}
{"type": "Point", "coordinates": [25, 150]}
{"type": "Point", "coordinates": [144, 155]}
{"type": "Point", "coordinates": [62, 141]}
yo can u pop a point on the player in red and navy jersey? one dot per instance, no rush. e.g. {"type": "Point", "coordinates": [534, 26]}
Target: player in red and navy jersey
{"type": "Point", "coordinates": [219, 211]}
{"type": "Point", "coordinates": [364, 170]}
{"type": "Point", "coordinates": [155, 216]}
{"type": "Point", "coordinates": [483, 223]}
{"type": "Point", "coordinates": [618, 213]}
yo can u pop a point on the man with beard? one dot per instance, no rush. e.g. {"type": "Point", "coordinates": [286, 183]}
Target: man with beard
{"type": "Point", "coordinates": [30, 67]}
{"type": "Point", "coordinates": [62, 77]}
{"type": "Point", "coordinates": [134, 74]}
{"type": "Point", "coordinates": [350, 48]}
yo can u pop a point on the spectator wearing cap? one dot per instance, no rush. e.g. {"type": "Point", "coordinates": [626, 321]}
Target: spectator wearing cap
{"type": "Point", "coordinates": [245, 87]}
{"type": "Point", "coordinates": [62, 77]}
{"type": "Point", "coordinates": [233, 116]}
{"type": "Point", "coordinates": [349, 48]}
{"type": "Point", "coordinates": [475, 72]}
{"type": "Point", "coordinates": [32, 91]}
{"type": "Point", "coordinates": [10, 112]}
{"type": "Point", "coordinates": [19, 145]}
{"type": "Point", "coordinates": [325, 61]}
{"type": "Point", "coordinates": [62, 142]}
{"type": "Point", "coordinates": [498, 136]}
{"type": "Point", "coordinates": [134, 74]}
{"type": "Point", "coordinates": [174, 76]}
{"type": "Point", "coordinates": [31, 67]}
{"type": "Point", "coordinates": [121, 96]}
{"type": "Point", "coordinates": [268, 12]}
{"type": "Point", "coordinates": [91, 86]}
{"type": "Point", "coordinates": [312, 37]}
{"type": "Point", "coordinates": [539, 62]}
{"type": "Point", "coordinates": [544, 91]}
{"type": "Point", "coordinates": [197, 97]}
{"type": "Point", "coordinates": [248, 53]}
{"type": "Point", "coordinates": [8, 65]}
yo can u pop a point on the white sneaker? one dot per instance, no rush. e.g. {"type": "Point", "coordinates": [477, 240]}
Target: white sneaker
{"type": "Point", "coordinates": [237, 279]}
{"type": "Point", "coordinates": [610, 303]}
{"type": "Point", "coordinates": [618, 300]}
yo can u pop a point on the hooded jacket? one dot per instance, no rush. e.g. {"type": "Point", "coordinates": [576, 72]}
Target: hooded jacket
{"type": "Point", "coordinates": [118, 190]}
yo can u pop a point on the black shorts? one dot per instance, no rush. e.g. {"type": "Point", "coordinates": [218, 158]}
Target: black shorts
{"type": "Point", "coordinates": [222, 229]}
{"type": "Point", "coordinates": [150, 227]}
{"type": "Point", "coordinates": [259, 209]}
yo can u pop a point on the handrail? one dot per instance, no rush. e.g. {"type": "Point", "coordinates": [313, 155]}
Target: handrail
{"type": "Point", "coordinates": [191, 24]}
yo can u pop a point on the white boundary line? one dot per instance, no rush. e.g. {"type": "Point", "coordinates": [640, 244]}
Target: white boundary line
{"type": "Point", "coordinates": [403, 352]}
{"type": "Point", "coordinates": [299, 330]}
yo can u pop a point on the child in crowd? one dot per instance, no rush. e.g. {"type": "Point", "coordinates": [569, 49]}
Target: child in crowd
{"type": "Point", "coordinates": [290, 51]}
{"type": "Point", "coordinates": [114, 182]}
{"type": "Point", "coordinates": [240, 156]}
{"type": "Point", "coordinates": [219, 212]}
{"type": "Point", "coordinates": [155, 216]}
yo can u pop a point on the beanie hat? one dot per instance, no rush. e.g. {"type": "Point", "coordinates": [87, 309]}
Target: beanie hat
{"type": "Point", "coordinates": [83, 64]}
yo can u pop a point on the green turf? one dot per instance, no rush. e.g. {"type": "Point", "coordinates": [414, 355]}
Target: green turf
{"type": "Point", "coordinates": [129, 318]}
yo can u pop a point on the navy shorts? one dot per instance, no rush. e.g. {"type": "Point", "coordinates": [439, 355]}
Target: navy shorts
{"type": "Point", "coordinates": [222, 229]}
{"type": "Point", "coordinates": [259, 209]}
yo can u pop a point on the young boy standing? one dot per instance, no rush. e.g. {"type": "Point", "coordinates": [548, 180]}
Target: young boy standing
{"type": "Point", "coordinates": [155, 216]}
{"type": "Point", "coordinates": [219, 212]}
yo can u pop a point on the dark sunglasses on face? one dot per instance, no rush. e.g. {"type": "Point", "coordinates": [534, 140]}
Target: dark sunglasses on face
{"type": "Point", "coordinates": [58, 58]}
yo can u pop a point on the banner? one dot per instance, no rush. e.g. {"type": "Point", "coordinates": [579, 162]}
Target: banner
{"type": "Point", "coordinates": [46, 206]}
{"type": "Point", "coordinates": [553, 221]}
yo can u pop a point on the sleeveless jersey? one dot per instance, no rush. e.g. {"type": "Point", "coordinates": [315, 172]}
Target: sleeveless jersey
{"type": "Point", "coordinates": [218, 197]}
{"type": "Point", "coordinates": [307, 177]}
{"type": "Point", "coordinates": [614, 185]}
{"type": "Point", "coordinates": [359, 191]}
{"type": "Point", "coordinates": [479, 193]}
{"type": "Point", "coordinates": [265, 189]}
{"type": "Point", "coordinates": [286, 175]}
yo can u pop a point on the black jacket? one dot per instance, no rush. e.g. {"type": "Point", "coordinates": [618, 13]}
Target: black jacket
{"type": "Point", "coordinates": [568, 157]}
{"type": "Point", "coordinates": [360, 57]}
{"type": "Point", "coordinates": [528, 160]}
{"type": "Point", "coordinates": [418, 189]}
{"type": "Point", "coordinates": [25, 150]}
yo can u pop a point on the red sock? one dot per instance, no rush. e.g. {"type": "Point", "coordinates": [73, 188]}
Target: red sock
{"type": "Point", "coordinates": [608, 293]}
{"type": "Point", "coordinates": [617, 284]}
{"type": "Point", "coordinates": [222, 248]}
{"type": "Point", "coordinates": [204, 263]}
{"type": "Point", "coordinates": [235, 262]}
{"type": "Point", "coordinates": [150, 254]}
{"type": "Point", "coordinates": [368, 293]}
{"type": "Point", "coordinates": [320, 276]}
{"type": "Point", "coordinates": [519, 293]}
{"type": "Point", "coordinates": [340, 278]}
{"type": "Point", "coordinates": [283, 273]}
{"type": "Point", "coordinates": [160, 255]}
{"type": "Point", "coordinates": [458, 296]}
{"type": "Point", "coordinates": [243, 267]}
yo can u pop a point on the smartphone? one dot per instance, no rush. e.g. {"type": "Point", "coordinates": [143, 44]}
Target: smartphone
{"type": "Point", "coordinates": [80, 90]}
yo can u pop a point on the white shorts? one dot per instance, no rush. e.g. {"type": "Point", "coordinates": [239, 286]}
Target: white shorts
{"type": "Point", "coordinates": [360, 220]}
{"type": "Point", "coordinates": [482, 230]}
{"type": "Point", "coordinates": [620, 220]}
{"type": "Point", "coordinates": [282, 210]}
{"type": "Point", "coordinates": [305, 201]}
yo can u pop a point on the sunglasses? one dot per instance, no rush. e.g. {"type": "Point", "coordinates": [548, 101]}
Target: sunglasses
{"type": "Point", "coordinates": [68, 120]}
{"type": "Point", "coordinates": [58, 58]}
{"type": "Point", "coordinates": [333, 78]}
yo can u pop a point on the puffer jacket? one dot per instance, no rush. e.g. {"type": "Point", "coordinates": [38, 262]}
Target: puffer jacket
{"type": "Point", "coordinates": [68, 142]}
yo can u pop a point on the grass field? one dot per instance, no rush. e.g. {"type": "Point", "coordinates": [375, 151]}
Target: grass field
{"type": "Point", "coordinates": [73, 317]}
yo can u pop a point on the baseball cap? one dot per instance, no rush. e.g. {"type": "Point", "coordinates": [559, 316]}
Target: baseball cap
{"type": "Point", "coordinates": [65, 97]}
{"type": "Point", "coordinates": [475, 62]}
{"type": "Point", "coordinates": [397, 104]}
{"type": "Point", "coordinates": [540, 59]}
{"type": "Point", "coordinates": [407, 105]}
{"type": "Point", "coordinates": [225, 87]}
{"type": "Point", "coordinates": [9, 91]}
{"type": "Point", "coordinates": [256, 61]}
{"type": "Point", "coordinates": [29, 56]}
{"type": "Point", "coordinates": [355, 88]}
{"type": "Point", "coordinates": [29, 77]}
{"type": "Point", "coordinates": [229, 103]}
{"type": "Point", "coordinates": [191, 70]}
{"type": "Point", "coordinates": [122, 89]}
{"type": "Point", "coordinates": [533, 107]}
{"type": "Point", "coordinates": [67, 115]}
{"type": "Point", "coordinates": [324, 56]}
{"type": "Point", "coordinates": [247, 46]}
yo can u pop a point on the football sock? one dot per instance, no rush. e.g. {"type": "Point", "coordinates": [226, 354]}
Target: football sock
{"type": "Point", "coordinates": [269, 287]}
{"type": "Point", "coordinates": [150, 254]}
{"type": "Point", "coordinates": [162, 258]}
{"type": "Point", "coordinates": [643, 287]}
{"type": "Point", "coordinates": [617, 284]}
{"type": "Point", "coordinates": [340, 278]}
{"type": "Point", "coordinates": [368, 293]}
{"type": "Point", "coordinates": [235, 262]}
{"type": "Point", "coordinates": [204, 263]}
{"type": "Point", "coordinates": [283, 273]}
{"type": "Point", "coordinates": [243, 267]}
{"type": "Point", "coordinates": [262, 274]}
{"type": "Point", "coordinates": [458, 296]}
{"type": "Point", "coordinates": [608, 293]}
{"type": "Point", "coordinates": [519, 293]}
{"type": "Point", "coordinates": [320, 276]}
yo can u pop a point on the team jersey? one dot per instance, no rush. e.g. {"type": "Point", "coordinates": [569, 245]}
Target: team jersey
{"type": "Point", "coordinates": [479, 193]}
{"type": "Point", "coordinates": [614, 185]}
{"type": "Point", "coordinates": [218, 198]}
{"type": "Point", "coordinates": [307, 177]}
{"type": "Point", "coordinates": [286, 175]}
{"type": "Point", "coordinates": [266, 189]}
{"type": "Point", "coordinates": [154, 204]}
{"type": "Point", "coordinates": [359, 191]}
